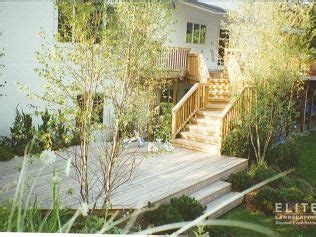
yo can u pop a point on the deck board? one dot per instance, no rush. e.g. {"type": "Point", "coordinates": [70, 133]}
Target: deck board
{"type": "Point", "coordinates": [156, 177]}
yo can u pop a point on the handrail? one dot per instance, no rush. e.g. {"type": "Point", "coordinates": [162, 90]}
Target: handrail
{"type": "Point", "coordinates": [186, 96]}
{"type": "Point", "coordinates": [185, 109]}
{"type": "Point", "coordinates": [240, 106]}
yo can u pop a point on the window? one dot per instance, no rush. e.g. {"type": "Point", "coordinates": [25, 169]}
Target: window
{"type": "Point", "coordinates": [196, 33]}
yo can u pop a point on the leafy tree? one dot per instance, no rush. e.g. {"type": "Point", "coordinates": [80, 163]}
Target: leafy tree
{"type": "Point", "coordinates": [110, 60]}
{"type": "Point", "coordinates": [272, 43]}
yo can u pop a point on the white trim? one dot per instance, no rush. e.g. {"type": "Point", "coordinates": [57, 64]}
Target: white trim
{"type": "Point", "coordinates": [201, 8]}
{"type": "Point", "coordinates": [200, 23]}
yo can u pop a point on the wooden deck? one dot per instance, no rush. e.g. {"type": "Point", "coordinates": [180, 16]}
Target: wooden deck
{"type": "Point", "coordinates": [157, 178]}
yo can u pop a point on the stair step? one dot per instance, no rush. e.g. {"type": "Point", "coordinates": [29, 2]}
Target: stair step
{"type": "Point", "coordinates": [219, 87]}
{"type": "Point", "coordinates": [205, 121]}
{"type": "Point", "coordinates": [202, 129]}
{"type": "Point", "coordinates": [216, 106]}
{"type": "Point", "coordinates": [199, 146]}
{"type": "Point", "coordinates": [218, 99]}
{"type": "Point", "coordinates": [194, 136]}
{"type": "Point", "coordinates": [219, 93]}
{"type": "Point", "coordinates": [217, 80]}
{"type": "Point", "coordinates": [211, 192]}
{"type": "Point", "coordinates": [210, 114]}
{"type": "Point", "coordinates": [214, 206]}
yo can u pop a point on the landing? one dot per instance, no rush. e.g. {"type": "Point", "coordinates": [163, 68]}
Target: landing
{"type": "Point", "coordinates": [155, 178]}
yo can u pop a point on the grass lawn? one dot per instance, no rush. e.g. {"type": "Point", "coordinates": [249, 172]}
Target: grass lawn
{"type": "Point", "coordinates": [307, 170]}
{"type": "Point", "coordinates": [307, 162]}
{"type": "Point", "coordinates": [242, 214]}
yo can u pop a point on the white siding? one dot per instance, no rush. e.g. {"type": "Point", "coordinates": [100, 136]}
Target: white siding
{"type": "Point", "coordinates": [184, 13]}
{"type": "Point", "coordinates": [20, 23]}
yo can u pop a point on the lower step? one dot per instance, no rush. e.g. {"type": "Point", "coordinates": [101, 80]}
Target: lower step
{"type": "Point", "coordinates": [200, 137]}
{"type": "Point", "coordinates": [223, 204]}
{"type": "Point", "coordinates": [199, 146]}
{"type": "Point", "coordinates": [211, 192]}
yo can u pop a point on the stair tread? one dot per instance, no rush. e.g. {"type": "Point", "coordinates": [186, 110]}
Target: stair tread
{"type": "Point", "coordinates": [196, 145]}
{"type": "Point", "coordinates": [215, 203]}
{"type": "Point", "coordinates": [207, 120]}
{"type": "Point", "coordinates": [209, 190]}
{"type": "Point", "coordinates": [210, 113]}
{"type": "Point", "coordinates": [200, 137]}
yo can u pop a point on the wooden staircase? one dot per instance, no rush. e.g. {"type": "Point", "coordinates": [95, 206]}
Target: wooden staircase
{"type": "Point", "coordinates": [202, 131]}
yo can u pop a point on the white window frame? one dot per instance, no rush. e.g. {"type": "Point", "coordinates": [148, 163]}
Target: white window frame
{"type": "Point", "coordinates": [192, 35]}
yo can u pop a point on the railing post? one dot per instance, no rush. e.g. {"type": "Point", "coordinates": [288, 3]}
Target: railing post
{"type": "Point", "coordinates": [174, 125]}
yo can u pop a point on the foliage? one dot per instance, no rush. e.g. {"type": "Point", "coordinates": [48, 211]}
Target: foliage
{"type": "Point", "coordinates": [164, 214]}
{"type": "Point", "coordinates": [240, 180]}
{"type": "Point", "coordinates": [163, 122]}
{"type": "Point", "coordinates": [243, 214]}
{"type": "Point", "coordinates": [53, 132]}
{"type": "Point", "coordinates": [5, 153]}
{"type": "Point", "coordinates": [182, 208]}
{"type": "Point", "coordinates": [188, 207]}
{"type": "Point", "coordinates": [108, 64]}
{"type": "Point", "coordinates": [307, 163]}
{"type": "Point", "coordinates": [265, 200]}
{"type": "Point", "coordinates": [245, 179]}
{"type": "Point", "coordinates": [284, 156]}
{"type": "Point", "coordinates": [273, 63]}
{"type": "Point", "coordinates": [22, 132]}
{"type": "Point", "coordinates": [237, 142]}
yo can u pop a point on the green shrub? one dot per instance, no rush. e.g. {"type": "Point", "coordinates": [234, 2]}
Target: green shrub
{"type": "Point", "coordinates": [163, 122]}
{"type": "Point", "coordinates": [5, 153]}
{"type": "Point", "coordinates": [22, 132]}
{"type": "Point", "coordinates": [261, 173]}
{"type": "Point", "coordinates": [237, 142]}
{"type": "Point", "coordinates": [240, 180]}
{"type": "Point", "coordinates": [188, 207]}
{"type": "Point", "coordinates": [165, 214]}
{"type": "Point", "coordinates": [265, 199]}
{"type": "Point", "coordinates": [284, 156]}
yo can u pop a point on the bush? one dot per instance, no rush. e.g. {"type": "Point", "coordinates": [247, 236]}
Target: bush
{"type": "Point", "coordinates": [265, 200]}
{"type": "Point", "coordinates": [5, 153]}
{"type": "Point", "coordinates": [22, 132]}
{"type": "Point", "coordinates": [183, 208]}
{"type": "Point", "coordinates": [165, 214]}
{"type": "Point", "coordinates": [188, 207]}
{"type": "Point", "coordinates": [237, 142]}
{"type": "Point", "coordinates": [260, 173]}
{"type": "Point", "coordinates": [243, 179]}
{"type": "Point", "coordinates": [163, 122]}
{"type": "Point", "coordinates": [283, 156]}
{"type": "Point", "coordinates": [240, 180]}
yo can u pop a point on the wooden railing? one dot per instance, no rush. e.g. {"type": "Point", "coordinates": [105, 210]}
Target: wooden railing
{"type": "Point", "coordinates": [174, 59]}
{"type": "Point", "coordinates": [194, 100]}
{"type": "Point", "coordinates": [193, 65]}
{"type": "Point", "coordinates": [240, 106]}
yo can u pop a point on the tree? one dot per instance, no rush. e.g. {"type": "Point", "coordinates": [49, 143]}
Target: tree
{"type": "Point", "coordinates": [273, 44]}
{"type": "Point", "coordinates": [110, 60]}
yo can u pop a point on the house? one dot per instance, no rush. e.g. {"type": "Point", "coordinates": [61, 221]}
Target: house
{"type": "Point", "coordinates": [197, 55]}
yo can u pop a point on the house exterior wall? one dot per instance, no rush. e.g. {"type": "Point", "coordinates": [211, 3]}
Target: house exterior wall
{"type": "Point", "coordinates": [183, 14]}
{"type": "Point", "coordinates": [20, 24]}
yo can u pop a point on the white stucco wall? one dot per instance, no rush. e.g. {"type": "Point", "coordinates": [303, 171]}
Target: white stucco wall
{"type": "Point", "coordinates": [20, 23]}
{"type": "Point", "coordinates": [183, 14]}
